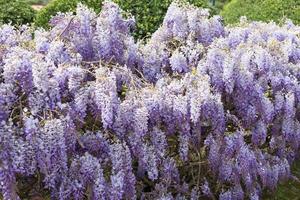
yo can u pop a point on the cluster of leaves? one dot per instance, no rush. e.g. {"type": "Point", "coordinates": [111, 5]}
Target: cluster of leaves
{"type": "Point", "coordinates": [16, 12]}
{"type": "Point", "coordinates": [198, 111]}
{"type": "Point", "coordinates": [262, 10]}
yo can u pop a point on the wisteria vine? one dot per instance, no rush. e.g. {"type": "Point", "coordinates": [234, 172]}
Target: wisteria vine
{"type": "Point", "coordinates": [198, 111]}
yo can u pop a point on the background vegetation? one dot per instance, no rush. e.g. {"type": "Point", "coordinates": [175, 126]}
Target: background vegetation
{"type": "Point", "coordinates": [262, 10]}
{"type": "Point", "coordinates": [149, 14]}
{"type": "Point", "coordinates": [16, 12]}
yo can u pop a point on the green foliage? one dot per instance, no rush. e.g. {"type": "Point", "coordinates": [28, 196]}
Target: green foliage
{"type": "Point", "coordinates": [15, 12]}
{"type": "Point", "coordinates": [262, 10]}
{"type": "Point", "coordinates": [148, 14]}
{"type": "Point", "coordinates": [218, 7]}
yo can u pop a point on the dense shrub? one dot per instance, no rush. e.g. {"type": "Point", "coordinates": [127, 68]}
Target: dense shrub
{"type": "Point", "coordinates": [15, 12]}
{"type": "Point", "coordinates": [262, 10]}
{"type": "Point", "coordinates": [198, 111]}
{"type": "Point", "coordinates": [148, 14]}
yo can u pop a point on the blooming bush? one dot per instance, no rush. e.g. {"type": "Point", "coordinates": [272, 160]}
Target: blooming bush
{"type": "Point", "coordinates": [198, 111]}
{"type": "Point", "coordinates": [148, 14]}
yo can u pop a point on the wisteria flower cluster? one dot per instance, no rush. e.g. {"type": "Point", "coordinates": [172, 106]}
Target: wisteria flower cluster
{"type": "Point", "coordinates": [198, 111]}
